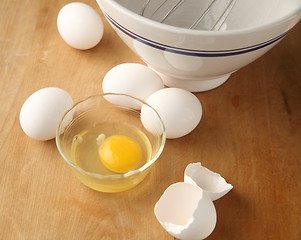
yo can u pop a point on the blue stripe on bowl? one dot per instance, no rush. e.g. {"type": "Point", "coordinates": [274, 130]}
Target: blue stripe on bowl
{"type": "Point", "coordinates": [192, 52]}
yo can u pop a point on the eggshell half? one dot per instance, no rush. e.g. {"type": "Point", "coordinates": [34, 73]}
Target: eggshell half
{"type": "Point", "coordinates": [186, 212]}
{"type": "Point", "coordinates": [212, 183]}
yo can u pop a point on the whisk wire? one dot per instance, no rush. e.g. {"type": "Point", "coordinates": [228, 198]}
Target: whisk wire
{"type": "Point", "coordinates": [179, 3]}
{"type": "Point", "coordinates": [159, 7]}
{"type": "Point", "coordinates": [216, 25]}
{"type": "Point", "coordinates": [224, 15]}
{"type": "Point", "coordinates": [196, 23]}
{"type": "Point", "coordinates": [144, 7]}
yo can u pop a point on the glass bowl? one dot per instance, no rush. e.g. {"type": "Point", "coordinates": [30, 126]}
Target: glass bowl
{"type": "Point", "coordinates": [84, 127]}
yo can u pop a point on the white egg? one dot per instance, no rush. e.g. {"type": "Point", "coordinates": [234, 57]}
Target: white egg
{"type": "Point", "coordinates": [132, 79]}
{"type": "Point", "coordinates": [213, 183]}
{"type": "Point", "coordinates": [80, 25]}
{"type": "Point", "coordinates": [42, 112]}
{"type": "Point", "coordinates": [179, 109]}
{"type": "Point", "coordinates": [186, 212]}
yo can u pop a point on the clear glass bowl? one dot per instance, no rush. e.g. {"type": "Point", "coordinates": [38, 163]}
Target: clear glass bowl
{"type": "Point", "coordinates": [116, 111]}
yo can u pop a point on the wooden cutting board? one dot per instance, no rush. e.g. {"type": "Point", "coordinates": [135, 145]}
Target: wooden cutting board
{"type": "Point", "coordinates": [250, 133]}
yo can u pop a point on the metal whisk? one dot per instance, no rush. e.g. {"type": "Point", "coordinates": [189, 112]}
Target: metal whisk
{"type": "Point", "coordinates": [217, 24]}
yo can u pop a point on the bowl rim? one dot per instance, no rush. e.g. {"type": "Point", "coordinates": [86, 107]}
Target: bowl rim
{"type": "Point", "coordinates": [115, 175]}
{"type": "Point", "coordinates": [187, 31]}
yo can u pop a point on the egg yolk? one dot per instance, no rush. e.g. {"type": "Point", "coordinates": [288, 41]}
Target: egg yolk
{"type": "Point", "coordinates": [120, 153]}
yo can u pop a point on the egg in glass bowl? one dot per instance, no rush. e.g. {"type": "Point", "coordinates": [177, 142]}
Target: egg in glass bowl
{"type": "Point", "coordinates": [106, 144]}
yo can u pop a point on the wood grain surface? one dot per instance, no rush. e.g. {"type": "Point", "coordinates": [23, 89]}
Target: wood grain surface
{"type": "Point", "coordinates": [250, 133]}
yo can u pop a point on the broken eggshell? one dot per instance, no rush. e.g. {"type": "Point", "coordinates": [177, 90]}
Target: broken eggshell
{"type": "Point", "coordinates": [186, 212]}
{"type": "Point", "coordinates": [212, 183]}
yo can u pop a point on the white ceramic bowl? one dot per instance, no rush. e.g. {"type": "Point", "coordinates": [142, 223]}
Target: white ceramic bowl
{"type": "Point", "coordinates": [200, 60]}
